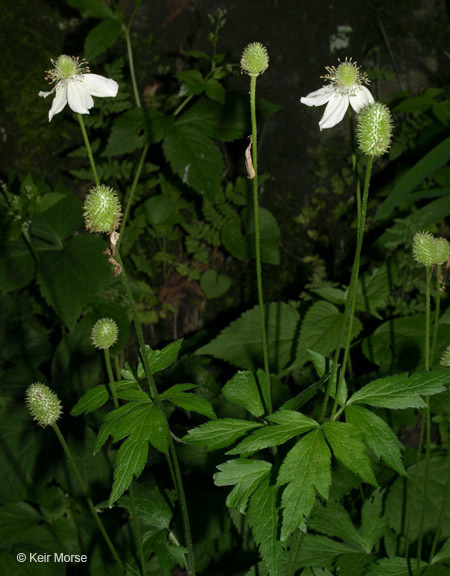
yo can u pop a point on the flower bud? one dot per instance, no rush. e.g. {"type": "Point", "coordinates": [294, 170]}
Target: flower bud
{"type": "Point", "coordinates": [445, 358]}
{"type": "Point", "coordinates": [104, 333]}
{"type": "Point", "coordinates": [374, 129]}
{"type": "Point", "coordinates": [423, 248]}
{"type": "Point", "coordinates": [43, 404]}
{"type": "Point", "coordinates": [442, 250]}
{"type": "Point", "coordinates": [255, 59]}
{"type": "Point", "coordinates": [102, 209]}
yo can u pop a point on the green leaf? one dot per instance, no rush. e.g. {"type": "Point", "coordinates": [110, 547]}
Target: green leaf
{"type": "Point", "coordinates": [152, 507]}
{"type": "Point", "coordinates": [100, 38]}
{"type": "Point", "coordinates": [320, 330]}
{"type": "Point", "coordinates": [288, 425]}
{"type": "Point", "coordinates": [399, 344]}
{"type": "Point", "coordinates": [96, 397]}
{"type": "Point", "coordinates": [246, 389]}
{"type": "Point", "coordinates": [214, 285]}
{"type": "Point", "coordinates": [192, 82]}
{"type": "Point", "coordinates": [437, 479]}
{"type": "Point", "coordinates": [233, 239]}
{"type": "Point", "coordinates": [215, 91]}
{"type": "Point", "coordinates": [71, 277]}
{"type": "Point", "coordinates": [375, 287]}
{"type": "Point", "coordinates": [219, 433]}
{"type": "Point", "coordinates": [373, 523]}
{"type": "Point", "coordinates": [402, 390]}
{"type": "Point", "coordinates": [334, 520]}
{"type": "Point", "coordinates": [392, 567]}
{"type": "Point", "coordinates": [17, 264]}
{"type": "Point", "coordinates": [92, 8]}
{"type": "Point", "coordinates": [324, 365]}
{"type": "Point", "coordinates": [269, 233]}
{"type": "Point", "coordinates": [160, 359]}
{"type": "Point", "coordinates": [319, 551]}
{"type": "Point", "coordinates": [306, 469]}
{"type": "Point", "coordinates": [245, 476]}
{"type": "Point", "coordinates": [194, 158]}
{"type": "Point", "coordinates": [240, 343]}
{"type": "Point", "coordinates": [58, 223]}
{"type": "Point", "coordinates": [192, 402]}
{"type": "Point", "coordinates": [443, 556]}
{"type": "Point", "coordinates": [353, 564]}
{"type": "Point", "coordinates": [378, 436]}
{"type": "Point", "coordinates": [438, 157]}
{"type": "Point", "coordinates": [263, 519]}
{"type": "Point", "coordinates": [347, 447]}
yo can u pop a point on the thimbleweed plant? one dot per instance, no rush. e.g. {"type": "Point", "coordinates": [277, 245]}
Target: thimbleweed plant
{"type": "Point", "coordinates": [296, 450]}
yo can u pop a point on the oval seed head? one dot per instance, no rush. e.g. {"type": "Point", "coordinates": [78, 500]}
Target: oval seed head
{"type": "Point", "coordinates": [255, 59]}
{"type": "Point", "coordinates": [374, 129]}
{"type": "Point", "coordinates": [102, 209]}
{"type": "Point", "coordinates": [445, 358]}
{"type": "Point", "coordinates": [442, 250]}
{"type": "Point", "coordinates": [104, 333]}
{"type": "Point", "coordinates": [424, 248]}
{"type": "Point", "coordinates": [43, 404]}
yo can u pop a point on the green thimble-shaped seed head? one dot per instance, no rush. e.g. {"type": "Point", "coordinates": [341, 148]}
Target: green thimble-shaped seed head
{"type": "Point", "coordinates": [442, 250]}
{"type": "Point", "coordinates": [374, 129]}
{"type": "Point", "coordinates": [104, 333]}
{"type": "Point", "coordinates": [102, 209]}
{"type": "Point", "coordinates": [445, 358]}
{"type": "Point", "coordinates": [43, 404]}
{"type": "Point", "coordinates": [255, 59]}
{"type": "Point", "coordinates": [423, 248]}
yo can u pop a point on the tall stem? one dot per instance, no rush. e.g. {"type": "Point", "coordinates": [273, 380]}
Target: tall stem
{"type": "Point", "coordinates": [131, 64]}
{"type": "Point", "coordinates": [86, 495]}
{"type": "Point", "coordinates": [88, 148]}
{"type": "Point", "coordinates": [441, 513]}
{"type": "Point", "coordinates": [137, 532]}
{"type": "Point", "coordinates": [268, 396]}
{"type": "Point", "coordinates": [178, 481]}
{"type": "Point", "coordinates": [436, 313]}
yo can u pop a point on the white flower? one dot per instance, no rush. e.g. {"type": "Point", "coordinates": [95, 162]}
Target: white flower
{"type": "Point", "coordinates": [346, 88]}
{"type": "Point", "coordinates": [74, 85]}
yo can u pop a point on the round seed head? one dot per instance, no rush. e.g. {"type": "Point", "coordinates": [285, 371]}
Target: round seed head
{"type": "Point", "coordinates": [374, 129]}
{"type": "Point", "coordinates": [43, 404]}
{"type": "Point", "coordinates": [423, 248]}
{"type": "Point", "coordinates": [442, 250]}
{"type": "Point", "coordinates": [255, 59]}
{"type": "Point", "coordinates": [104, 333]}
{"type": "Point", "coordinates": [102, 209]}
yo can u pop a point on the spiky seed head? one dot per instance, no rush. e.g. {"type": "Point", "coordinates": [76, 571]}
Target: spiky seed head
{"type": "Point", "coordinates": [102, 209]}
{"type": "Point", "coordinates": [445, 358]}
{"type": "Point", "coordinates": [423, 248]}
{"type": "Point", "coordinates": [374, 129]}
{"type": "Point", "coordinates": [104, 333]}
{"type": "Point", "coordinates": [255, 59]}
{"type": "Point", "coordinates": [43, 404]}
{"type": "Point", "coordinates": [442, 250]}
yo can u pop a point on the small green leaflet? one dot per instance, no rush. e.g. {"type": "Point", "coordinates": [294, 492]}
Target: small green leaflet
{"type": "Point", "coordinates": [219, 433]}
{"type": "Point", "coordinates": [152, 507]}
{"type": "Point", "coordinates": [193, 402]}
{"type": "Point", "coordinates": [287, 425]}
{"type": "Point", "coordinates": [246, 389]}
{"type": "Point", "coordinates": [96, 397]}
{"type": "Point", "coordinates": [334, 520]}
{"type": "Point", "coordinates": [142, 422]}
{"type": "Point", "coordinates": [345, 441]}
{"type": "Point", "coordinates": [443, 556]}
{"type": "Point", "coordinates": [306, 469]}
{"type": "Point", "coordinates": [323, 366]}
{"type": "Point", "coordinates": [319, 551]}
{"type": "Point", "coordinates": [393, 567]}
{"type": "Point", "coordinates": [263, 519]}
{"type": "Point", "coordinates": [402, 390]}
{"type": "Point", "coordinates": [245, 476]}
{"type": "Point", "coordinates": [161, 359]}
{"type": "Point", "coordinates": [378, 436]}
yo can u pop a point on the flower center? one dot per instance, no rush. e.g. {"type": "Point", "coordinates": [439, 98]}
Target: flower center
{"type": "Point", "coordinates": [346, 78]}
{"type": "Point", "coordinates": [66, 68]}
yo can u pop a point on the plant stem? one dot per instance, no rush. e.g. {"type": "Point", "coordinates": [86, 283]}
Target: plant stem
{"type": "Point", "coordinates": [126, 30]}
{"type": "Point", "coordinates": [436, 313]}
{"type": "Point", "coordinates": [88, 498]}
{"type": "Point", "coordinates": [441, 514]}
{"type": "Point", "coordinates": [177, 478]}
{"type": "Point", "coordinates": [137, 532]}
{"type": "Point", "coordinates": [351, 296]}
{"type": "Point", "coordinates": [88, 148]}
{"type": "Point", "coordinates": [268, 396]}
{"type": "Point", "coordinates": [427, 415]}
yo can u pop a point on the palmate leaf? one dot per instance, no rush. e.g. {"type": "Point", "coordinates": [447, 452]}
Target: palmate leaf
{"type": "Point", "coordinates": [96, 397]}
{"type": "Point", "coordinates": [263, 514]}
{"type": "Point", "coordinates": [247, 389]}
{"type": "Point", "coordinates": [334, 520]}
{"type": "Point", "coordinates": [245, 476]}
{"type": "Point", "coordinates": [192, 402]}
{"type": "Point", "coordinates": [143, 422]}
{"type": "Point", "coordinates": [378, 436]}
{"type": "Point", "coordinates": [160, 359]}
{"type": "Point", "coordinates": [402, 390]}
{"type": "Point", "coordinates": [306, 469]}
{"type": "Point", "coordinates": [287, 425]}
{"type": "Point", "coordinates": [373, 523]}
{"type": "Point", "coordinates": [393, 567]}
{"type": "Point", "coordinates": [320, 551]}
{"type": "Point", "coordinates": [345, 441]}
{"type": "Point", "coordinates": [219, 433]}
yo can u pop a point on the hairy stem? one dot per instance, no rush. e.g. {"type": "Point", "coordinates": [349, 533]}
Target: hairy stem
{"type": "Point", "coordinates": [268, 396]}
{"type": "Point", "coordinates": [86, 495]}
{"type": "Point", "coordinates": [436, 313]}
{"type": "Point", "coordinates": [88, 148]}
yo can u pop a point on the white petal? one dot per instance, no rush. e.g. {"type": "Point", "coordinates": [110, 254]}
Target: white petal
{"type": "Point", "coordinates": [99, 85]}
{"type": "Point", "coordinates": [59, 101]}
{"type": "Point", "coordinates": [334, 112]}
{"type": "Point", "coordinates": [78, 97]}
{"type": "Point", "coordinates": [319, 97]}
{"type": "Point", "coordinates": [362, 98]}
{"type": "Point", "coordinates": [45, 94]}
